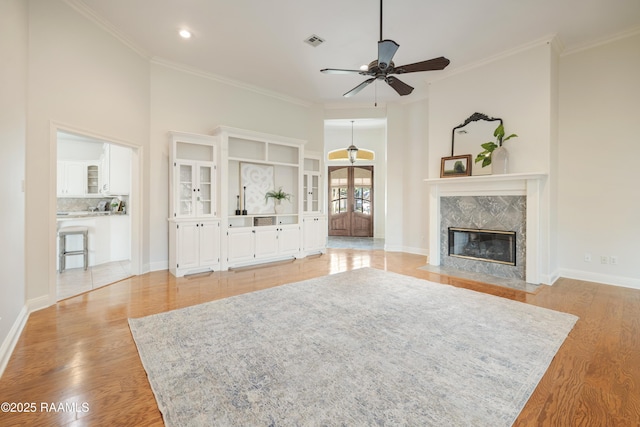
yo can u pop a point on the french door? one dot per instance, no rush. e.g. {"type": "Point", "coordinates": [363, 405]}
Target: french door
{"type": "Point", "coordinates": [351, 201]}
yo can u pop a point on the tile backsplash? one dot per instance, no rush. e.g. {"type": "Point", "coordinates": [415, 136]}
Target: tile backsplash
{"type": "Point", "coordinates": [70, 204]}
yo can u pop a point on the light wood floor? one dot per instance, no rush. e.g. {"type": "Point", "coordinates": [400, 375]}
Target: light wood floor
{"type": "Point", "coordinates": [81, 349]}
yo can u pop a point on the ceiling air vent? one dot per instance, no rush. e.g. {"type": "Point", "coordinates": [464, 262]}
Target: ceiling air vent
{"type": "Point", "coordinates": [314, 40]}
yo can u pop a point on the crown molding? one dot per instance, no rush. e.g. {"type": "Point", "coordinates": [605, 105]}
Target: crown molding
{"type": "Point", "coordinates": [80, 7]}
{"type": "Point", "coordinates": [602, 41]}
{"type": "Point", "coordinates": [551, 40]}
{"type": "Point", "coordinates": [230, 82]}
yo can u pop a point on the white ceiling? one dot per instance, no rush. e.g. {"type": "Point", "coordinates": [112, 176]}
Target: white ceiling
{"type": "Point", "coordinates": [260, 43]}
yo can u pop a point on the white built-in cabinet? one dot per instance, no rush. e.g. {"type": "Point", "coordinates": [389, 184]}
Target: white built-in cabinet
{"type": "Point", "coordinates": [219, 217]}
{"type": "Point", "coordinates": [252, 164]}
{"type": "Point", "coordinates": [315, 233]}
{"type": "Point", "coordinates": [197, 245]}
{"type": "Point", "coordinates": [315, 220]}
{"type": "Point", "coordinates": [194, 228]}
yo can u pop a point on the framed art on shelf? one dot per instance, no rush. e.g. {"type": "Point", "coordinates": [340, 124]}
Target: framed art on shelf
{"type": "Point", "coordinates": [455, 166]}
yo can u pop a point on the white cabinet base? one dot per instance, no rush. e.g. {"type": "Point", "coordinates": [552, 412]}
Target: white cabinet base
{"type": "Point", "coordinates": [258, 245]}
{"type": "Point", "coordinates": [194, 247]}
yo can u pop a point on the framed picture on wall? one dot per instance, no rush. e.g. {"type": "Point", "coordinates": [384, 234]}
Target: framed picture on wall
{"type": "Point", "coordinates": [455, 166]}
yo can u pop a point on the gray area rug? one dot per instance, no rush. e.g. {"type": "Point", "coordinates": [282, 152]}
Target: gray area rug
{"type": "Point", "coordinates": [364, 347]}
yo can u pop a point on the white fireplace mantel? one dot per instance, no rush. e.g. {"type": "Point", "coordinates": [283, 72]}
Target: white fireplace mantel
{"type": "Point", "coordinates": [519, 184]}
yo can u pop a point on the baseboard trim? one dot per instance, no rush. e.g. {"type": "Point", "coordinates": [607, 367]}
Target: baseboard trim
{"type": "Point", "coordinates": [157, 266]}
{"type": "Point", "coordinates": [9, 344]}
{"type": "Point", "coordinates": [39, 303]}
{"type": "Point", "coordinates": [626, 282]}
{"type": "Point", "coordinates": [415, 251]}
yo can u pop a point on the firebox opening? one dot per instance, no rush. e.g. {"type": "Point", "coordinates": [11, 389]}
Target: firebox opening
{"type": "Point", "coordinates": [484, 245]}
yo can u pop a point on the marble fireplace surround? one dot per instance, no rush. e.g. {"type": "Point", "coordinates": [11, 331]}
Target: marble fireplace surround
{"type": "Point", "coordinates": [522, 184]}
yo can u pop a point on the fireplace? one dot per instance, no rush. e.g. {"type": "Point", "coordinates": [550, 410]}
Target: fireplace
{"type": "Point", "coordinates": [483, 245]}
{"type": "Point", "coordinates": [488, 203]}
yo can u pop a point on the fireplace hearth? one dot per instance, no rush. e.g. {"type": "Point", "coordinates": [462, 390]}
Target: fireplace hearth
{"type": "Point", "coordinates": [483, 245]}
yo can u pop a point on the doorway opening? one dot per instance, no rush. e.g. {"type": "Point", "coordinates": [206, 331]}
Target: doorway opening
{"type": "Point", "coordinates": [351, 202]}
{"type": "Point", "coordinates": [94, 193]}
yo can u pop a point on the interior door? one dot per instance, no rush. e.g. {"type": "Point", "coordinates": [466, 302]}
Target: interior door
{"type": "Point", "coordinates": [351, 201]}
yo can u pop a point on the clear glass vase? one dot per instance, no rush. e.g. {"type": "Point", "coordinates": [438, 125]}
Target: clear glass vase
{"type": "Point", "coordinates": [500, 161]}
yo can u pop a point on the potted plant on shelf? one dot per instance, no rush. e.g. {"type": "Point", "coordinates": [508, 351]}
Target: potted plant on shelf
{"type": "Point", "coordinates": [495, 151]}
{"type": "Point", "coordinates": [278, 196]}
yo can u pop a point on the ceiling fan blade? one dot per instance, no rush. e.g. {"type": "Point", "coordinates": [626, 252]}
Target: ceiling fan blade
{"type": "Point", "coordinates": [429, 65]}
{"type": "Point", "coordinates": [401, 87]}
{"type": "Point", "coordinates": [386, 50]}
{"type": "Point", "coordinates": [359, 87]}
{"type": "Point", "coordinates": [339, 71]}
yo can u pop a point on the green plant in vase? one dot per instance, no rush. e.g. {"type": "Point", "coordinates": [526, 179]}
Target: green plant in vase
{"type": "Point", "coordinates": [278, 195]}
{"type": "Point", "coordinates": [490, 147]}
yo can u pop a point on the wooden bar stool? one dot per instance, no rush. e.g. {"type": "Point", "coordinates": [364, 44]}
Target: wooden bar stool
{"type": "Point", "coordinates": [62, 241]}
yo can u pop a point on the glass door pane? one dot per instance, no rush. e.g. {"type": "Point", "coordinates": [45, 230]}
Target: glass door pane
{"type": "Point", "coordinates": [204, 190]}
{"type": "Point", "coordinates": [185, 192]}
{"type": "Point", "coordinates": [339, 191]}
{"type": "Point", "coordinates": [315, 193]}
{"type": "Point", "coordinates": [305, 192]}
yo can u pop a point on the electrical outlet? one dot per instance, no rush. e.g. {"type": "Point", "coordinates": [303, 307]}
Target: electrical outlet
{"type": "Point", "coordinates": [613, 260]}
{"type": "Point", "coordinates": [587, 257]}
{"type": "Point", "coordinates": [604, 259]}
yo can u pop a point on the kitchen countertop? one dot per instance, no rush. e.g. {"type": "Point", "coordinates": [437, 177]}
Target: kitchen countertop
{"type": "Point", "coordinates": [85, 214]}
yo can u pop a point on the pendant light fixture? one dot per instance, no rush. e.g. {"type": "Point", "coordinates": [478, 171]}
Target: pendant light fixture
{"type": "Point", "coordinates": [352, 150]}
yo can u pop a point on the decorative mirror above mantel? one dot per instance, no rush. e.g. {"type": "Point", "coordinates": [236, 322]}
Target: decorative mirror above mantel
{"type": "Point", "coordinates": [467, 138]}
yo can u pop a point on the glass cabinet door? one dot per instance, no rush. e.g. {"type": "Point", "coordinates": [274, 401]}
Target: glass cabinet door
{"type": "Point", "coordinates": [314, 193]}
{"type": "Point", "coordinates": [311, 192]}
{"type": "Point", "coordinates": [205, 192]}
{"type": "Point", "coordinates": [185, 189]}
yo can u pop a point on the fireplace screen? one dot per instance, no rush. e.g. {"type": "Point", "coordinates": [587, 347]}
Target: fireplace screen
{"type": "Point", "coordinates": [485, 245]}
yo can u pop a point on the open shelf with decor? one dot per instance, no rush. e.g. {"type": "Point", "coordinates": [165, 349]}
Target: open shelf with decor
{"type": "Point", "coordinates": [258, 228]}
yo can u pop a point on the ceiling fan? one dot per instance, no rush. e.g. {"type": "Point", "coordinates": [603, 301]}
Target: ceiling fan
{"type": "Point", "coordinates": [383, 68]}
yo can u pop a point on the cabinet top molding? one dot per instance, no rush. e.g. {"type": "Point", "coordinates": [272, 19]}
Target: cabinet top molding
{"type": "Point", "coordinates": [258, 136]}
{"type": "Point", "coordinates": [191, 136]}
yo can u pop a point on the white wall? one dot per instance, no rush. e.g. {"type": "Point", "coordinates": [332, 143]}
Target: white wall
{"type": "Point", "coordinates": [13, 117]}
{"type": "Point", "coordinates": [598, 195]}
{"type": "Point", "coordinates": [396, 168]}
{"type": "Point", "coordinates": [416, 170]}
{"type": "Point", "coordinates": [190, 102]}
{"type": "Point", "coordinates": [82, 77]}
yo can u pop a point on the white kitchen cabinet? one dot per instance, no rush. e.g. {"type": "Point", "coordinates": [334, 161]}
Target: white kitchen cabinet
{"type": "Point", "coordinates": [116, 170]}
{"type": "Point", "coordinates": [93, 179]}
{"type": "Point", "coordinates": [120, 237]}
{"type": "Point", "coordinates": [197, 246]}
{"type": "Point", "coordinates": [314, 233]}
{"type": "Point", "coordinates": [71, 179]}
{"type": "Point", "coordinates": [109, 239]}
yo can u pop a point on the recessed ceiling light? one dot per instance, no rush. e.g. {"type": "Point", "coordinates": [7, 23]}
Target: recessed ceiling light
{"type": "Point", "coordinates": [185, 34]}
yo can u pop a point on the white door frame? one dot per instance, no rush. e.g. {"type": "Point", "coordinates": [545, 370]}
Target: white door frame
{"type": "Point", "coordinates": [135, 199]}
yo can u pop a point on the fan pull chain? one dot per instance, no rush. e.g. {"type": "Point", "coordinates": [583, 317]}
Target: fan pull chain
{"type": "Point", "coordinates": [375, 103]}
